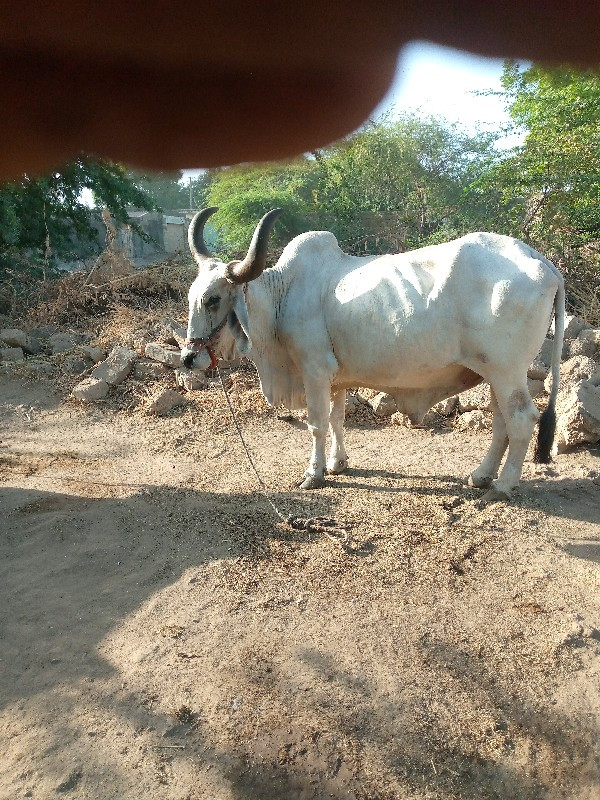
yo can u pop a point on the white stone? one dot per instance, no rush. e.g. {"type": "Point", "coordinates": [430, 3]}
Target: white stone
{"type": "Point", "coordinates": [475, 420]}
{"type": "Point", "coordinates": [11, 354]}
{"type": "Point", "coordinates": [147, 370]}
{"type": "Point", "coordinates": [14, 337]}
{"type": "Point", "coordinates": [163, 401]}
{"type": "Point", "coordinates": [446, 407]}
{"type": "Point", "coordinates": [116, 367]}
{"type": "Point", "coordinates": [190, 380]}
{"type": "Point", "coordinates": [383, 405]}
{"type": "Point", "coordinates": [97, 354]}
{"type": "Point", "coordinates": [590, 335]}
{"type": "Point", "coordinates": [536, 388]}
{"type": "Point", "coordinates": [476, 399]}
{"type": "Point", "coordinates": [579, 347]}
{"type": "Point", "coordinates": [538, 370]}
{"type": "Point", "coordinates": [163, 353]}
{"type": "Point", "coordinates": [61, 343]}
{"type": "Point", "coordinates": [578, 368]}
{"type": "Point", "coordinates": [578, 417]}
{"type": "Point", "coordinates": [90, 390]}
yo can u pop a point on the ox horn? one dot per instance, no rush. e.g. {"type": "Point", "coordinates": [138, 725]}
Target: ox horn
{"type": "Point", "coordinates": [254, 263]}
{"type": "Point", "coordinates": [196, 234]}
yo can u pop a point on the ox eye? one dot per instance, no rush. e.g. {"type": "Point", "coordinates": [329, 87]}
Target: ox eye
{"type": "Point", "coordinates": [213, 301]}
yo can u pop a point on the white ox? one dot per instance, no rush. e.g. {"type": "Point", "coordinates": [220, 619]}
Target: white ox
{"type": "Point", "coordinates": [422, 326]}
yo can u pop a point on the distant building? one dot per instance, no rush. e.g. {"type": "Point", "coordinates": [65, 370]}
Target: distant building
{"type": "Point", "coordinates": [146, 249]}
{"type": "Point", "coordinates": [167, 231]}
{"type": "Point", "coordinates": [164, 235]}
{"type": "Point", "coordinates": [175, 233]}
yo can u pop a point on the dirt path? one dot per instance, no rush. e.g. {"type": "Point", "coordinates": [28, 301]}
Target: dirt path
{"type": "Point", "coordinates": [164, 637]}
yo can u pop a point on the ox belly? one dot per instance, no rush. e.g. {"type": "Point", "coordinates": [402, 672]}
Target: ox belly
{"type": "Point", "coordinates": [415, 392]}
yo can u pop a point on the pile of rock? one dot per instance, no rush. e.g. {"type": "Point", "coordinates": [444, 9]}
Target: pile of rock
{"type": "Point", "coordinates": [148, 360]}
{"type": "Point", "coordinates": [151, 356]}
{"type": "Point", "coordinates": [42, 350]}
{"type": "Point", "coordinates": [578, 402]}
{"type": "Point", "coordinates": [16, 344]}
{"type": "Point", "coordinates": [37, 347]}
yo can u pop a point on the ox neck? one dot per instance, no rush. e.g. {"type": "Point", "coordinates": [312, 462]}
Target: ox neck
{"type": "Point", "coordinates": [271, 284]}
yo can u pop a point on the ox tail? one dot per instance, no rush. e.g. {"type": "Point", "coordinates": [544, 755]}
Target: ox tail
{"type": "Point", "coordinates": [547, 423]}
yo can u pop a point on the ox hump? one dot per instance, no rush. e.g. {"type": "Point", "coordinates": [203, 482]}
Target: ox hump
{"type": "Point", "coordinates": [313, 243]}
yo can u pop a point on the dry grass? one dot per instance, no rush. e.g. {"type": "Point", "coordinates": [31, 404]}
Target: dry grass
{"type": "Point", "coordinates": [114, 283]}
{"type": "Point", "coordinates": [84, 299]}
{"type": "Point", "coordinates": [585, 299]}
{"type": "Point", "coordinates": [582, 283]}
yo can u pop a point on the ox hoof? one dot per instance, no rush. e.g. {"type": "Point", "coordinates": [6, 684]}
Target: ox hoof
{"type": "Point", "coordinates": [494, 495]}
{"type": "Point", "coordinates": [338, 466]}
{"type": "Point", "coordinates": [311, 482]}
{"type": "Point", "coordinates": [479, 481]}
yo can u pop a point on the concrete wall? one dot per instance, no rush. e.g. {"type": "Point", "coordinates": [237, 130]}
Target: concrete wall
{"type": "Point", "coordinates": [175, 229]}
{"type": "Point", "coordinates": [140, 250]}
{"type": "Point", "coordinates": [166, 232]}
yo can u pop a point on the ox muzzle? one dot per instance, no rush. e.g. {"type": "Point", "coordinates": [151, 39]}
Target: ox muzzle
{"type": "Point", "coordinates": [194, 349]}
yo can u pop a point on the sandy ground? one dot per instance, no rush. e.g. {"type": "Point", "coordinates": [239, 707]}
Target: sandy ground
{"type": "Point", "coordinates": [164, 636]}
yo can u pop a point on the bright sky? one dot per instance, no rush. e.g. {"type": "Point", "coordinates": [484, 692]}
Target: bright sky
{"type": "Point", "coordinates": [438, 81]}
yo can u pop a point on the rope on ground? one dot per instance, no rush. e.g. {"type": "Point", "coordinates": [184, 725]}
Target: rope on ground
{"type": "Point", "coordinates": [325, 525]}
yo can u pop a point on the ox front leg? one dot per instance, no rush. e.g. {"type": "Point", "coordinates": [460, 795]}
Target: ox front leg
{"type": "Point", "coordinates": [338, 460]}
{"type": "Point", "coordinates": [317, 403]}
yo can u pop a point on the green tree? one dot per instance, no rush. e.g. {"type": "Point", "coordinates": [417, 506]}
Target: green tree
{"type": "Point", "coordinates": [400, 184]}
{"type": "Point", "coordinates": [552, 182]}
{"type": "Point", "coordinates": [165, 188]}
{"type": "Point", "coordinates": [47, 217]}
{"type": "Point", "coordinates": [243, 194]}
{"type": "Point", "coordinates": [549, 187]}
{"type": "Point", "coordinates": [392, 186]}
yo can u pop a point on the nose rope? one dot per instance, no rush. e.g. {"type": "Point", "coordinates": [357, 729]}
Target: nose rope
{"type": "Point", "coordinates": [195, 345]}
{"type": "Point", "coordinates": [206, 339]}
{"type": "Point", "coordinates": [327, 525]}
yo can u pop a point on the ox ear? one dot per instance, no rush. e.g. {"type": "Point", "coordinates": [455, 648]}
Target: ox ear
{"type": "Point", "coordinates": [239, 324]}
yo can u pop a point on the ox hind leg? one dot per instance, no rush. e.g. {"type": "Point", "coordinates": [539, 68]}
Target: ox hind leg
{"type": "Point", "coordinates": [482, 477]}
{"type": "Point", "coordinates": [520, 416]}
{"type": "Point", "coordinates": [338, 460]}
